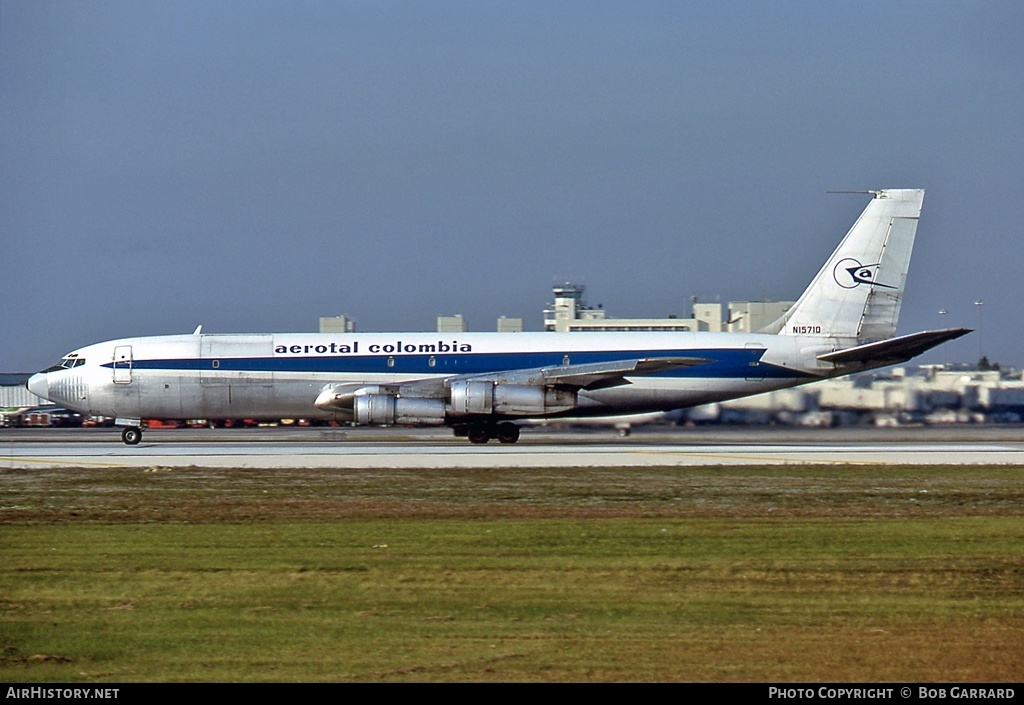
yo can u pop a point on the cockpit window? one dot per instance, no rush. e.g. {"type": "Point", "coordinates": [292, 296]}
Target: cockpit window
{"type": "Point", "coordinates": [66, 363]}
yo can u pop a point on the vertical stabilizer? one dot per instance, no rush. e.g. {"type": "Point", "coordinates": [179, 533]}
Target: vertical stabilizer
{"type": "Point", "coordinates": [857, 294]}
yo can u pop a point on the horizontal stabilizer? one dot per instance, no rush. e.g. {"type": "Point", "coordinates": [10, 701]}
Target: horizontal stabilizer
{"type": "Point", "coordinates": [894, 350]}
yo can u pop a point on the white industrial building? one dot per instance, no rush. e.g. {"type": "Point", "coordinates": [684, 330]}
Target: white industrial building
{"type": "Point", "coordinates": [337, 324]}
{"type": "Point", "coordinates": [458, 324]}
{"type": "Point", "coordinates": [510, 325]}
{"type": "Point", "coordinates": [452, 324]}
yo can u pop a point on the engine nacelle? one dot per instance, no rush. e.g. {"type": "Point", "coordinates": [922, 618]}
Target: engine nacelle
{"type": "Point", "coordinates": [470, 397]}
{"type": "Point", "coordinates": [528, 400]}
{"type": "Point", "coordinates": [372, 406]}
{"type": "Point", "coordinates": [382, 409]}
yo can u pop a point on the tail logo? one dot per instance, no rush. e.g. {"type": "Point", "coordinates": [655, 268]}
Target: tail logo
{"type": "Point", "coordinates": [849, 274]}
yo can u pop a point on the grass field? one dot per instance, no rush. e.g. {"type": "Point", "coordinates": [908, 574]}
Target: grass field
{"type": "Point", "coordinates": [696, 574]}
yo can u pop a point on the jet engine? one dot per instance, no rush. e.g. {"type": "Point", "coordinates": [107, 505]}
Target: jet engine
{"type": "Point", "coordinates": [388, 409]}
{"type": "Point", "coordinates": [484, 397]}
{"type": "Point", "coordinates": [375, 405]}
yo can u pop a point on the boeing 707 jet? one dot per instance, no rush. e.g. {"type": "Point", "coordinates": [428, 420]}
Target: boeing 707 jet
{"type": "Point", "coordinates": [483, 384]}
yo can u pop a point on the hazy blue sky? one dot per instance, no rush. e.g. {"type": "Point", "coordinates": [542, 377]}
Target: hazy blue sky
{"type": "Point", "coordinates": [253, 166]}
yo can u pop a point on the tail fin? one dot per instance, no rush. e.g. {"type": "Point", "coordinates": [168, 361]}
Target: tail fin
{"type": "Point", "coordinates": [857, 294]}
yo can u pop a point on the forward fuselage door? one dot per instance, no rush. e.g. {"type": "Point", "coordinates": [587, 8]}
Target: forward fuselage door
{"type": "Point", "coordinates": [123, 364]}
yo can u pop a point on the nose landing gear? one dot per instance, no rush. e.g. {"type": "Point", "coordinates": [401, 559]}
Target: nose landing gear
{"type": "Point", "coordinates": [131, 435]}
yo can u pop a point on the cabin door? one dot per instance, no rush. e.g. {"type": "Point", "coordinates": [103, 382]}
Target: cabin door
{"type": "Point", "coordinates": [123, 364]}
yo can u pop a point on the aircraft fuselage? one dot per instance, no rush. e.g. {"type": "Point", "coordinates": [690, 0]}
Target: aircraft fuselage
{"type": "Point", "coordinates": [278, 376]}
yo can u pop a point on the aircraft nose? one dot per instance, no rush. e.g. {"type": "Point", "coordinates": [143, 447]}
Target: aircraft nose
{"type": "Point", "coordinates": [39, 385]}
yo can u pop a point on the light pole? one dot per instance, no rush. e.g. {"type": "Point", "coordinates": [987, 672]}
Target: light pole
{"type": "Point", "coordinates": [942, 314]}
{"type": "Point", "coordinates": [978, 304]}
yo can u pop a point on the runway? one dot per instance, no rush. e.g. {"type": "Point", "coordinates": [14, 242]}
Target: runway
{"type": "Point", "coordinates": [435, 448]}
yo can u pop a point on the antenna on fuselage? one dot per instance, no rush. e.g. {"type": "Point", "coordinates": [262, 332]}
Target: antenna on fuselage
{"type": "Point", "coordinates": [198, 330]}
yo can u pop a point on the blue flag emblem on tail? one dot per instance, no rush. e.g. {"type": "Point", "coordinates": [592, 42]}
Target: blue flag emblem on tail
{"type": "Point", "coordinates": [849, 274]}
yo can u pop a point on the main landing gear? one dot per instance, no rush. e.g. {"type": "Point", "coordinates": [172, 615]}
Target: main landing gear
{"type": "Point", "coordinates": [131, 435]}
{"type": "Point", "coordinates": [482, 432]}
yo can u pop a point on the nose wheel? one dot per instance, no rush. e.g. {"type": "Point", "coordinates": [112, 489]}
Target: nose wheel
{"type": "Point", "coordinates": [131, 435]}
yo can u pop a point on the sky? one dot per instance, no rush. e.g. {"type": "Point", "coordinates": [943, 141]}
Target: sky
{"type": "Point", "coordinates": [252, 165]}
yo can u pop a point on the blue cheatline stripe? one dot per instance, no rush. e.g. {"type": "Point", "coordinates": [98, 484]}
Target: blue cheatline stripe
{"type": "Point", "coordinates": [723, 363]}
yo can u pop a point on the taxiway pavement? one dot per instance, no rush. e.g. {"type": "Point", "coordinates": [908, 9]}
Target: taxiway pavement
{"type": "Point", "coordinates": [435, 448]}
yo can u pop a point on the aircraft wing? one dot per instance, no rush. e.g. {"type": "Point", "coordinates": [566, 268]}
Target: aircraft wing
{"type": "Point", "coordinates": [894, 350]}
{"type": "Point", "coordinates": [597, 375]}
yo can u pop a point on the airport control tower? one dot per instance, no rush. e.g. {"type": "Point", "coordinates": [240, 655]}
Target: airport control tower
{"type": "Point", "coordinates": [569, 307]}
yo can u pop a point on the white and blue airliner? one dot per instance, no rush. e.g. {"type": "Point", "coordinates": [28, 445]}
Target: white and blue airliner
{"type": "Point", "coordinates": [483, 384]}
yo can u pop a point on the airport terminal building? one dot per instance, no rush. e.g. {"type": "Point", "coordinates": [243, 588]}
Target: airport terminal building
{"type": "Point", "coordinates": [571, 313]}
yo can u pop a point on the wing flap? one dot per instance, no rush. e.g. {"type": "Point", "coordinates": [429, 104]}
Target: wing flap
{"type": "Point", "coordinates": [595, 375]}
